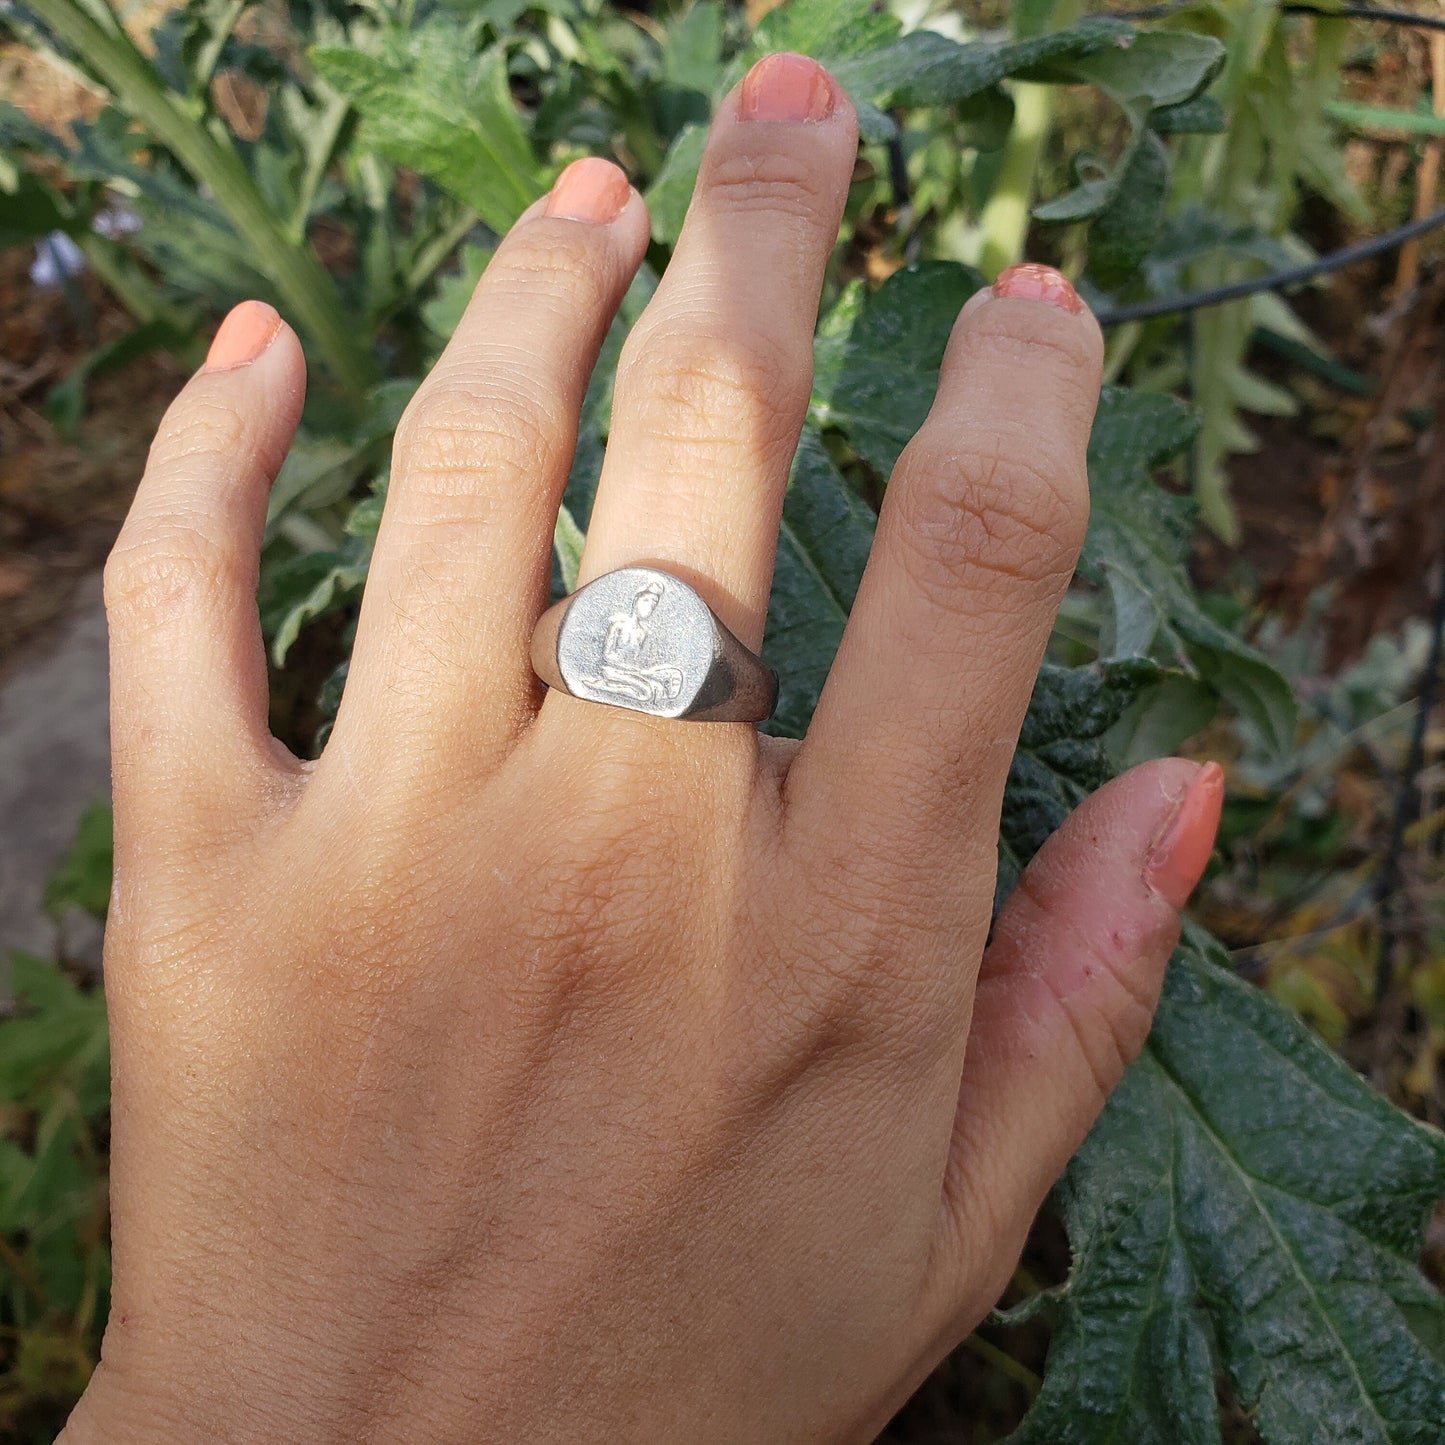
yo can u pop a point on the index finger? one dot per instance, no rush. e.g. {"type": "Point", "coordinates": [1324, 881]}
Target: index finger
{"type": "Point", "coordinates": [976, 543]}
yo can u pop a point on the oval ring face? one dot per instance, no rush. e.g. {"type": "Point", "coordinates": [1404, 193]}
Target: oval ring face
{"type": "Point", "coordinates": [637, 638]}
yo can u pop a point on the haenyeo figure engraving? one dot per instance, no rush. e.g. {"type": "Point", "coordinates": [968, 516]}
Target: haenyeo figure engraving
{"type": "Point", "coordinates": [624, 669]}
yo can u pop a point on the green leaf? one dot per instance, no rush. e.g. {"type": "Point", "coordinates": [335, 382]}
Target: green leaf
{"type": "Point", "coordinates": [443, 312]}
{"type": "Point", "coordinates": [1150, 69]}
{"type": "Point", "coordinates": [429, 102]}
{"type": "Point", "coordinates": [1137, 546]}
{"type": "Point", "coordinates": [57, 1038]}
{"type": "Point", "coordinates": [671, 190]}
{"type": "Point", "coordinates": [1378, 117]}
{"type": "Point", "coordinates": [1124, 231]}
{"type": "Point", "coordinates": [1245, 1203]}
{"type": "Point", "coordinates": [29, 211]}
{"type": "Point", "coordinates": [1061, 756]}
{"type": "Point", "coordinates": [82, 879]}
{"type": "Point", "coordinates": [945, 77]}
{"type": "Point", "coordinates": [567, 540]}
{"type": "Point", "coordinates": [877, 355]}
{"type": "Point", "coordinates": [692, 49]}
{"type": "Point", "coordinates": [822, 548]}
{"type": "Point", "coordinates": [1160, 719]}
{"type": "Point", "coordinates": [825, 29]}
{"type": "Point", "coordinates": [1141, 73]}
{"type": "Point", "coordinates": [1201, 116]}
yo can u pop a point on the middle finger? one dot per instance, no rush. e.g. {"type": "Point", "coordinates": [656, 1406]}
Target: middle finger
{"type": "Point", "coordinates": [713, 382]}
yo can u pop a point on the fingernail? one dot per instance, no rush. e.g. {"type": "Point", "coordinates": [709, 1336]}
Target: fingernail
{"type": "Point", "coordinates": [1029, 281]}
{"type": "Point", "coordinates": [245, 333]}
{"type": "Point", "coordinates": [1179, 855]}
{"type": "Point", "coordinates": [591, 189]}
{"type": "Point", "coordinates": [787, 87]}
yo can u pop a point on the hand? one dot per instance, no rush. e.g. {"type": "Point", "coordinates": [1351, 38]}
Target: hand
{"type": "Point", "coordinates": [532, 1070]}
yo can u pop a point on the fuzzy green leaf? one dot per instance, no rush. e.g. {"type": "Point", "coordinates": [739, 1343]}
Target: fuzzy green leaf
{"type": "Point", "coordinates": [822, 547]}
{"type": "Point", "coordinates": [1061, 756]}
{"type": "Point", "coordinates": [943, 77]}
{"type": "Point", "coordinates": [877, 355]}
{"type": "Point", "coordinates": [1142, 73]}
{"type": "Point", "coordinates": [1138, 543]}
{"type": "Point", "coordinates": [1245, 1203]}
{"type": "Point", "coordinates": [428, 101]}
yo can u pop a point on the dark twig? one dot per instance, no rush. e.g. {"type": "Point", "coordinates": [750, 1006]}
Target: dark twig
{"type": "Point", "coordinates": [1337, 12]}
{"type": "Point", "coordinates": [1275, 280]}
{"type": "Point", "coordinates": [1388, 880]}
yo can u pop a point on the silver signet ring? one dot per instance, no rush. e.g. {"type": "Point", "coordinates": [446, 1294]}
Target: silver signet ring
{"type": "Point", "coordinates": [642, 639]}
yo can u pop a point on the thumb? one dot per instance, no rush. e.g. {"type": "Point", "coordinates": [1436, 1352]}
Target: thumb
{"type": "Point", "coordinates": [1066, 993]}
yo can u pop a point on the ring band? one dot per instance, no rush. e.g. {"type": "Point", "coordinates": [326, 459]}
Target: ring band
{"type": "Point", "coordinates": [643, 639]}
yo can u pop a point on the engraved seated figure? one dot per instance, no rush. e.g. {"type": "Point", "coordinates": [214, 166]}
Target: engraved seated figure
{"type": "Point", "coordinates": [623, 670]}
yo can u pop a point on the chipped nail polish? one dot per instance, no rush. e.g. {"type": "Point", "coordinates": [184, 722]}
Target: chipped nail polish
{"type": "Point", "coordinates": [1180, 853]}
{"type": "Point", "coordinates": [1029, 281]}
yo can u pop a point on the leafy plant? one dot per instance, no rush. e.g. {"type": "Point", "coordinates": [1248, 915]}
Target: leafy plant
{"type": "Point", "coordinates": [1246, 1207]}
{"type": "Point", "coordinates": [54, 1103]}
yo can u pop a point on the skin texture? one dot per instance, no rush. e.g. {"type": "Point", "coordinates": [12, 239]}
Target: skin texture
{"type": "Point", "coordinates": [532, 1070]}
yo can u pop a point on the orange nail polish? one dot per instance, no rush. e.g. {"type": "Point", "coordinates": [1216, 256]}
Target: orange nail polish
{"type": "Point", "coordinates": [245, 333]}
{"type": "Point", "coordinates": [1179, 855]}
{"type": "Point", "coordinates": [1031, 282]}
{"type": "Point", "coordinates": [591, 189]}
{"type": "Point", "coordinates": [787, 87]}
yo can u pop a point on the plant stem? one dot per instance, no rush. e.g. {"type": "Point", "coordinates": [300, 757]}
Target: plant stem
{"type": "Point", "coordinates": [1005, 1363]}
{"type": "Point", "coordinates": [301, 281]}
{"type": "Point", "coordinates": [329, 127]}
{"type": "Point", "coordinates": [1005, 218]}
{"type": "Point", "coordinates": [210, 55]}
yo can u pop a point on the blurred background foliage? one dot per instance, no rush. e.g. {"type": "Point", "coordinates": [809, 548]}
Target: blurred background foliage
{"type": "Point", "coordinates": [1257, 587]}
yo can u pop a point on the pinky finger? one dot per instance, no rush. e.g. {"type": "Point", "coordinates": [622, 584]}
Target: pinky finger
{"type": "Point", "coordinates": [189, 734]}
{"type": "Point", "coordinates": [1065, 998]}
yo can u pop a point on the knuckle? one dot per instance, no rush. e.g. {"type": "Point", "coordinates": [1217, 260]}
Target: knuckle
{"type": "Point", "coordinates": [455, 442]}
{"type": "Point", "coordinates": [548, 264]}
{"type": "Point", "coordinates": [166, 569]}
{"type": "Point", "coordinates": [990, 510]}
{"type": "Point", "coordinates": [715, 387]}
{"type": "Point", "coordinates": [777, 183]}
{"type": "Point", "coordinates": [197, 425]}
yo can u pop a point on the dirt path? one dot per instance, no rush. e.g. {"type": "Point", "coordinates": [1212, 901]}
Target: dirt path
{"type": "Point", "coordinates": [54, 762]}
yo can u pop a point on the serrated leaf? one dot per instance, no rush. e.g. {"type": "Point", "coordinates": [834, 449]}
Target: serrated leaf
{"type": "Point", "coordinates": [822, 548]}
{"type": "Point", "coordinates": [877, 355]}
{"type": "Point", "coordinates": [1246, 1202]}
{"type": "Point", "coordinates": [823, 28]}
{"type": "Point", "coordinates": [334, 577]}
{"type": "Point", "coordinates": [1061, 757]}
{"type": "Point", "coordinates": [429, 102]}
{"type": "Point", "coordinates": [1138, 540]}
